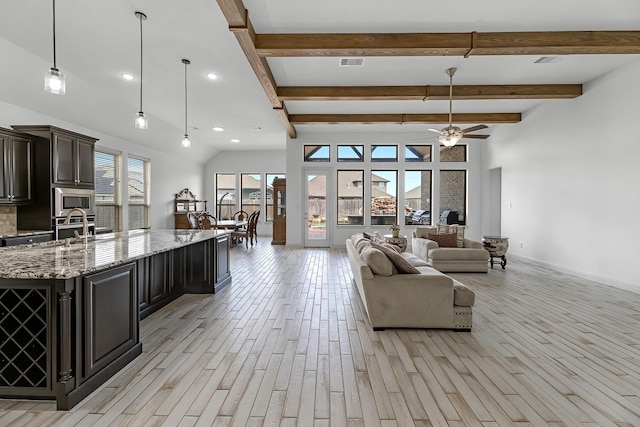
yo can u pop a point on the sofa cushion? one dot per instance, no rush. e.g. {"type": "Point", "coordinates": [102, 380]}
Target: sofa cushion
{"type": "Point", "coordinates": [458, 254]}
{"type": "Point", "coordinates": [389, 246]}
{"type": "Point", "coordinates": [377, 261]}
{"type": "Point", "coordinates": [458, 230]}
{"type": "Point", "coordinates": [358, 238]}
{"type": "Point", "coordinates": [401, 264]}
{"type": "Point", "coordinates": [463, 296]}
{"type": "Point", "coordinates": [424, 232]}
{"type": "Point", "coordinates": [363, 243]}
{"type": "Point", "coordinates": [444, 240]}
{"type": "Point", "coordinates": [414, 260]}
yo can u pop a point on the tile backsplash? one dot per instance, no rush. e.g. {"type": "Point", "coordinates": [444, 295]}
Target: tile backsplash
{"type": "Point", "coordinates": [8, 220]}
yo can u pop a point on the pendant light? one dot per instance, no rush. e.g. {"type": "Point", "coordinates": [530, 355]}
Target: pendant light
{"type": "Point", "coordinates": [141, 121]}
{"type": "Point", "coordinates": [185, 141]}
{"type": "Point", "coordinates": [53, 78]}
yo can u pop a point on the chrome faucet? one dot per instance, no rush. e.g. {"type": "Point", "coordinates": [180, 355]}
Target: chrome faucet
{"type": "Point", "coordinates": [85, 224]}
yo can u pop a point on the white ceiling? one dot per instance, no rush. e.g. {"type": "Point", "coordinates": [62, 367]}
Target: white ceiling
{"type": "Point", "coordinates": [98, 40]}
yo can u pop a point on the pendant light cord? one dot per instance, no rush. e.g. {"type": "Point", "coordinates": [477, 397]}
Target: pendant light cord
{"type": "Point", "coordinates": [140, 17]}
{"type": "Point", "coordinates": [186, 62]}
{"type": "Point", "coordinates": [450, 98]}
{"type": "Point", "coordinates": [54, 35]}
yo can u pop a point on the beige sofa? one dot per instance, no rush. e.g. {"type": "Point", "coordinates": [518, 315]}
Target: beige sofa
{"type": "Point", "coordinates": [471, 257]}
{"type": "Point", "coordinates": [429, 299]}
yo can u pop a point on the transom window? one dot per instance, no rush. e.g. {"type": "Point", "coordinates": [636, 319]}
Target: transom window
{"type": "Point", "coordinates": [384, 153]}
{"type": "Point", "coordinates": [351, 153]}
{"type": "Point", "coordinates": [417, 153]}
{"type": "Point", "coordinates": [316, 153]}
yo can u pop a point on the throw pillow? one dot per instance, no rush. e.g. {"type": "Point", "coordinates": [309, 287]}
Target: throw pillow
{"type": "Point", "coordinates": [425, 231]}
{"type": "Point", "coordinates": [444, 240]}
{"type": "Point", "coordinates": [377, 261]}
{"type": "Point", "coordinates": [367, 235]}
{"type": "Point", "coordinates": [390, 246]}
{"type": "Point", "coordinates": [401, 264]}
{"type": "Point", "coordinates": [449, 229]}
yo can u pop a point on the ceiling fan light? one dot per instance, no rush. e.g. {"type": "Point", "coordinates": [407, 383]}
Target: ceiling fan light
{"type": "Point", "coordinates": [449, 140]}
{"type": "Point", "coordinates": [54, 82]}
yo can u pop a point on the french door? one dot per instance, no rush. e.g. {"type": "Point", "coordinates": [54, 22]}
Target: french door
{"type": "Point", "coordinates": [318, 211]}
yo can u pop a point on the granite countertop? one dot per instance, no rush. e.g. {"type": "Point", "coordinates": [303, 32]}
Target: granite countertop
{"type": "Point", "coordinates": [22, 233]}
{"type": "Point", "coordinates": [52, 260]}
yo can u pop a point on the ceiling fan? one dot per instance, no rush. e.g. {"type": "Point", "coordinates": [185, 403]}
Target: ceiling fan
{"type": "Point", "coordinates": [450, 135]}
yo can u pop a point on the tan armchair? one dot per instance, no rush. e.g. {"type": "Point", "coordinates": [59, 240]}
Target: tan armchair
{"type": "Point", "coordinates": [467, 255]}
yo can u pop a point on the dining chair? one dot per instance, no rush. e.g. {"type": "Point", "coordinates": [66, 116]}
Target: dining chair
{"type": "Point", "coordinates": [254, 227]}
{"type": "Point", "coordinates": [207, 221]}
{"type": "Point", "coordinates": [244, 233]}
{"type": "Point", "coordinates": [240, 215]}
{"type": "Point", "coordinates": [192, 219]}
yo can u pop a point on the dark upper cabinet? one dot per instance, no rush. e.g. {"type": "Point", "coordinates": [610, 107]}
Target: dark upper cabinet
{"type": "Point", "coordinates": [71, 155]}
{"type": "Point", "coordinates": [73, 160]}
{"type": "Point", "coordinates": [15, 169]}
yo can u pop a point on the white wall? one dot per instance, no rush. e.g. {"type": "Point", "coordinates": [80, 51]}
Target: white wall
{"type": "Point", "coordinates": [169, 174]}
{"type": "Point", "coordinates": [296, 223]}
{"type": "Point", "coordinates": [570, 172]}
{"type": "Point", "coordinates": [237, 162]}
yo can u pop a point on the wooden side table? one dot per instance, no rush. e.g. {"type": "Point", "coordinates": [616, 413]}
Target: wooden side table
{"type": "Point", "coordinates": [497, 247]}
{"type": "Point", "coordinates": [400, 241]}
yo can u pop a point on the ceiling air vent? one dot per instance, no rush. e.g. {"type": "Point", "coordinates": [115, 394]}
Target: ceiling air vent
{"type": "Point", "coordinates": [351, 62]}
{"type": "Point", "coordinates": [547, 60]}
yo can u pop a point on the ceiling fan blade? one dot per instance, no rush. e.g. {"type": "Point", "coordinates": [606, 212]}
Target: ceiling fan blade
{"type": "Point", "coordinates": [474, 128]}
{"type": "Point", "coordinates": [436, 131]}
{"type": "Point", "coordinates": [475, 136]}
{"type": "Point", "coordinates": [424, 138]}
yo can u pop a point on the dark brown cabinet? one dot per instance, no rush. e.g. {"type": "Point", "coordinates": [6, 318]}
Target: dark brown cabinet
{"type": "Point", "coordinates": [279, 211]}
{"type": "Point", "coordinates": [15, 169]}
{"type": "Point", "coordinates": [199, 267]}
{"type": "Point", "coordinates": [223, 261]}
{"type": "Point", "coordinates": [156, 280]}
{"type": "Point", "coordinates": [110, 312]}
{"type": "Point", "coordinates": [73, 160]}
{"type": "Point", "coordinates": [71, 155]}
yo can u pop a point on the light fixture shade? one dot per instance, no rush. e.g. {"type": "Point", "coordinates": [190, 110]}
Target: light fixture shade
{"type": "Point", "coordinates": [186, 143]}
{"type": "Point", "coordinates": [141, 121]}
{"type": "Point", "coordinates": [54, 82]}
{"type": "Point", "coordinates": [449, 140]}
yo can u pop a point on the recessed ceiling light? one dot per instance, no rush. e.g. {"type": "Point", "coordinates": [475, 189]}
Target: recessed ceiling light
{"type": "Point", "coordinates": [127, 76]}
{"type": "Point", "coordinates": [235, 140]}
{"type": "Point", "coordinates": [218, 129]}
{"type": "Point", "coordinates": [212, 76]}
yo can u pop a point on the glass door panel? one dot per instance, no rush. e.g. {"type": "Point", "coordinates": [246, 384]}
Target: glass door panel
{"type": "Point", "coordinates": [316, 212]}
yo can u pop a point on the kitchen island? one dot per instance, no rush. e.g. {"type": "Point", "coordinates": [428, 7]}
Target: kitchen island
{"type": "Point", "coordinates": [70, 315]}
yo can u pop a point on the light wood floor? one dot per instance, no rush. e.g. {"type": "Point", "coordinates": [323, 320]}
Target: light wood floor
{"type": "Point", "coordinates": [287, 345]}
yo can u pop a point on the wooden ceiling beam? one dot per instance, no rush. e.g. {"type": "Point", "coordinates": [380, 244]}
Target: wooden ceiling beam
{"type": "Point", "coordinates": [557, 43]}
{"type": "Point", "coordinates": [417, 93]}
{"type": "Point", "coordinates": [283, 115]}
{"type": "Point", "coordinates": [333, 119]}
{"type": "Point", "coordinates": [448, 44]}
{"type": "Point", "coordinates": [239, 23]}
{"type": "Point", "coordinates": [368, 44]}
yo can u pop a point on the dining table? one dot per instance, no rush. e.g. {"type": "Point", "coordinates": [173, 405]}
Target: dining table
{"type": "Point", "coordinates": [231, 224]}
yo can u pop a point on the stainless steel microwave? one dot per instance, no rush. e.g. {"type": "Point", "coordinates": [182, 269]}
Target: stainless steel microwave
{"type": "Point", "coordinates": [66, 199]}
